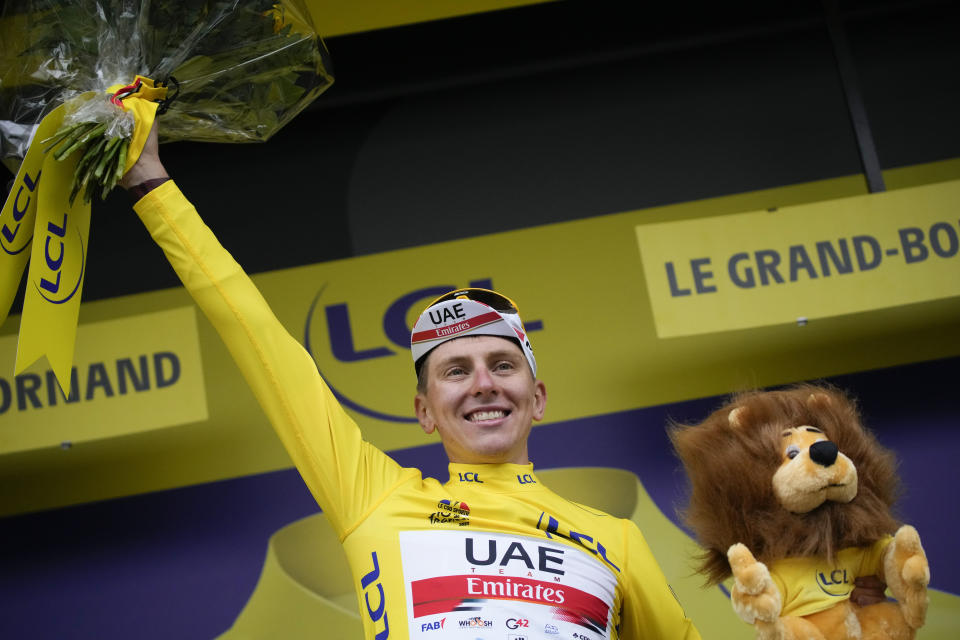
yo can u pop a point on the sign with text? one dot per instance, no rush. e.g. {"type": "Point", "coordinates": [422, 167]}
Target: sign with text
{"type": "Point", "coordinates": [804, 262]}
{"type": "Point", "coordinates": [129, 375]}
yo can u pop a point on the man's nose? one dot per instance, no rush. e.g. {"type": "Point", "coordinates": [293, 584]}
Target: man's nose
{"type": "Point", "coordinates": [483, 381]}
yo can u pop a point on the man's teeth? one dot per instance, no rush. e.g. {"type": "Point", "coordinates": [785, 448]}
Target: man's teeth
{"type": "Point", "coordinates": [486, 415]}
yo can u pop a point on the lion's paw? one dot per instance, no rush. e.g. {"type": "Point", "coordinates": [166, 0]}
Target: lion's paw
{"type": "Point", "coordinates": [908, 574]}
{"type": "Point", "coordinates": [754, 596]}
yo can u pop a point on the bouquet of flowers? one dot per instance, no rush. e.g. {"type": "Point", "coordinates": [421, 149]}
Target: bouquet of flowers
{"type": "Point", "coordinates": [81, 82]}
{"type": "Point", "coordinates": [234, 70]}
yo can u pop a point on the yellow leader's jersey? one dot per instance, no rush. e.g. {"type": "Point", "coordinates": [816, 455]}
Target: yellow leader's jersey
{"type": "Point", "coordinates": [490, 554]}
{"type": "Point", "coordinates": [808, 585]}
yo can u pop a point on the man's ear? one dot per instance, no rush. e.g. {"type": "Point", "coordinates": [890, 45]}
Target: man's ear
{"type": "Point", "coordinates": [539, 400]}
{"type": "Point", "coordinates": [423, 414]}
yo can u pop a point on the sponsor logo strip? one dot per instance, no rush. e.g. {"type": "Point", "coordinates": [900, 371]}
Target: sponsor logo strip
{"type": "Point", "coordinates": [461, 327]}
{"type": "Point", "coordinates": [442, 594]}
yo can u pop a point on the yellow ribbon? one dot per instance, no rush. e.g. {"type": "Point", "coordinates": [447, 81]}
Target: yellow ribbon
{"type": "Point", "coordinates": [143, 104]}
{"type": "Point", "coordinates": [57, 232]}
{"type": "Point", "coordinates": [51, 303]}
{"type": "Point", "coordinates": [19, 213]}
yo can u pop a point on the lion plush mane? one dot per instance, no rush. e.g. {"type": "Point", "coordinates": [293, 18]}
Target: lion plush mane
{"type": "Point", "coordinates": [740, 443]}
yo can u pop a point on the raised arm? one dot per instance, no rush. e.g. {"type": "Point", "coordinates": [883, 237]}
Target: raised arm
{"type": "Point", "coordinates": [343, 472]}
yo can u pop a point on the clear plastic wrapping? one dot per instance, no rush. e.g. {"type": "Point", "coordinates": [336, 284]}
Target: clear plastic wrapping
{"type": "Point", "coordinates": [238, 70]}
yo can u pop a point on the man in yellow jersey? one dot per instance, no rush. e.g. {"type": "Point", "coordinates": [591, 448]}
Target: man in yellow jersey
{"type": "Point", "coordinates": [491, 550]}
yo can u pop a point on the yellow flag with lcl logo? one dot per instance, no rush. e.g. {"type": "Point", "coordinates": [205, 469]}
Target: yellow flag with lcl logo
{"type": "Point", "coordinates": [18, 216]}
{"type": "Point", "coordinates": [44, 218]}
{"type": "Point", "coordinates": [38, 214]}
{"type": "Point", "coordinates": [58, 260]}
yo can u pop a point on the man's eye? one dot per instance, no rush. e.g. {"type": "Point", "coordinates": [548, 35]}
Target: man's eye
{"type": "Point", "coordinates": [793, 451]}
{"type": "Point", "coordinates": [504, 365]}
{"type": "Point", "coordinates": [456, 371]}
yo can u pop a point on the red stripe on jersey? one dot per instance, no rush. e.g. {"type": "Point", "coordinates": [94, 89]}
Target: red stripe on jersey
{"type": "Point", "coordinates": [441, 594]}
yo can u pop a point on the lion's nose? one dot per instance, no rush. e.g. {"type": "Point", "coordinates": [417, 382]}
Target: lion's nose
{"type": "Point", "coordinates": [824, 453]}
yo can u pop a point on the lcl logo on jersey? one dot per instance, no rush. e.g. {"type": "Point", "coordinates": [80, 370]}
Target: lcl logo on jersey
{"type": "Point", "coordinates": [369, 584]}
{"type": "Point", "coordinates": [356, 341]}
{"type": "Point", "coordinates": [834, 583]}
{"type": "Point", "coordinates": [551, 527]}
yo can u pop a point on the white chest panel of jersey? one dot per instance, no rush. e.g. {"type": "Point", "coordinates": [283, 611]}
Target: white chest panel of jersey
{"type": "Point", "coordinates": [467, 583]}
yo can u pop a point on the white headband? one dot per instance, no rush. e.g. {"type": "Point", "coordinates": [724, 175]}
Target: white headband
{"type": "Point", "coordinates": [462, 317]}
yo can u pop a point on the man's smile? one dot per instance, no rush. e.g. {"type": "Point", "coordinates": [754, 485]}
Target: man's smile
{"type": "Point", "coordinates": [487, 415]}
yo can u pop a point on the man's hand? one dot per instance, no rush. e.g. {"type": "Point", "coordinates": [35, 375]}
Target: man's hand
{"type": "Point", "coordinates": [148, 165]}
{"type": "Point", "coordinates": [868, 590]}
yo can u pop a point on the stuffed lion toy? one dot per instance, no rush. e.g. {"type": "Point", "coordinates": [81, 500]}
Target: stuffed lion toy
{"type": "Point", "coordinates": [792, 496]}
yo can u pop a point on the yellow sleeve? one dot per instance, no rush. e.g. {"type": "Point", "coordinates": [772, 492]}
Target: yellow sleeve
{"type": "Point", "coordinates": [344, 473]}
{"type": "Point", "coordinates": [651, 609]}
{"type": "Point", "coordinates": [787, 598]}
{"type": "Point", "coordinates": [872, 561]}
